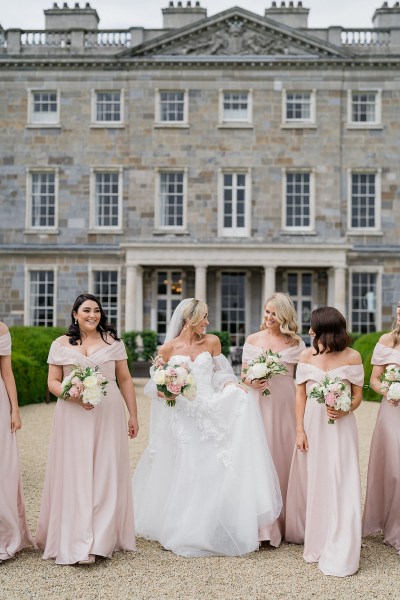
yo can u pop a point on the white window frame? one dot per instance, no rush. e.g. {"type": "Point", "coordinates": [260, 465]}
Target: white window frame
{"type": "Point", "coordinates": [27, 301]}
{"type": "Point", "coordinates": [373, 270]}
{"type": "Point", "coordinates": [299, 123]}
{"type": "Point", "coordinates": [107, 124]}
{"type": "Point", "coordinates": [234, 231]}
{"type": "Point", "coordinates": [218, 281]}
{"type": "Point", "coordinates": [55, 123]}
{"type": "Point", "coordinates": [179, 124]}
{"type": "Point", "coordinates": [157, 213]}
{"type": "Point", "coordinates": [377, 230]}
{"type": "Point", "coordinates": [29, 228]}
{"type": "Point", "coordinates": [377, 123]}
{"type": "Point", "coordinates": [92, 216]}
{"type": "Point", "coordinates": [107, 267]}
{"type": "Point", "coordinates": [236, 123]}
{"type": "Point", "coordinates": [168, 296]}
{"type": "Point", "coordinates": [296, 229]}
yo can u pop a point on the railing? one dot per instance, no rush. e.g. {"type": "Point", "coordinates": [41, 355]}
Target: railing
{"type": "Point", "coordinates": [47, 39]}
{"type": "Point", "coordinates": [108, 38]}
{"type": "Point", "coordinates": [366, 37]}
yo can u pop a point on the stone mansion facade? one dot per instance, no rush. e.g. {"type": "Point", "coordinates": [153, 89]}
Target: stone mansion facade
{"type": "Point", "coordinates": [222, 157]}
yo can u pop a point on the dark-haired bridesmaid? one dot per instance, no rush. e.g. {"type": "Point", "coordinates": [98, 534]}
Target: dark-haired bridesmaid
{"type": "Point", "coordinates": [14, 531]}
{"type": "Point", "coordinates": [382, 503]}
{"type": "Point", "coordinates": [324, 491]}
{"type": "Point", "coordinates": [87, 506]}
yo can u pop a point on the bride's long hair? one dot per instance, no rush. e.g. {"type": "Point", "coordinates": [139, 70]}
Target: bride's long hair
{"type": "Point", "coordinates": [194, 312]}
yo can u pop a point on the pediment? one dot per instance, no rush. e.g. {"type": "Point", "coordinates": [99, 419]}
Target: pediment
{"type": "Point", "coordinates": [236, 32]}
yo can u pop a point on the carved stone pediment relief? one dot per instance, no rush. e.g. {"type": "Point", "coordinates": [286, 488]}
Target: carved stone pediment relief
{"type": "Point", "coordinates": [233, 37]}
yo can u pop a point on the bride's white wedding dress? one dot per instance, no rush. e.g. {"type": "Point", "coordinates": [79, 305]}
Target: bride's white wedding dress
{"type": "Point", "coordinates": [206, 482]}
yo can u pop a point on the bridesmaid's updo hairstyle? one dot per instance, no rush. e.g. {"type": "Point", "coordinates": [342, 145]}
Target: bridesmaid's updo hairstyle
{"type": "Point", "coordinates": [194, 312]}
{"type": "Point", "coordinates": [285, 314]}
{"type": "Point", "coordinates": [329, 326]}
{"type": "Point", "coordinates": [103, 326]}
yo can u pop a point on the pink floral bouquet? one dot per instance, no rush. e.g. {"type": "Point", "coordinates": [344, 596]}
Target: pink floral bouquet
{"type": "Point", "coordinates": [264, 366]}
{"type": "Point", "coordinates": [86, 383]}
{"type": "Point", "coordinates": [172, 378]}
{"type": "Point", "coordinates": [390, 383]}
{"type": "Point", "coordinates": [332, 392]}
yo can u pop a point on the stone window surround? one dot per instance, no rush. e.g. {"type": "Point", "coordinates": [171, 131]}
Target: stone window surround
{"type": "Point", "coordinates": [157, 204]}
{"type": "Point", "coordinates": [234, 231]}
{"type": "Point", "coordinates": [27, 296]}
{"type": "Point", "coordinates": [171, 124]}
{"type": "Point", "coordinates": [299, 123]}
{"type": "Point", "coordinates": [92, 268]}
{"type": "Point", "coordinates": [377, 124]}
{"type": "Point", "coordinates": [93, 228]}
{"type": "Point", "coordinates": [107, 124]}
{"type": "Point", "coordinates": [29, 228]}
{"type": "Point", "coordinates": [233, 123]}
{"type": "Point", "coordinates": [377, 230]}
{"type": "Point", "coordinates": [373, 269]}
{"type": "Point", "coordinates": [299, 229]}
{"type": "Point", "coordinates": [31, 123]}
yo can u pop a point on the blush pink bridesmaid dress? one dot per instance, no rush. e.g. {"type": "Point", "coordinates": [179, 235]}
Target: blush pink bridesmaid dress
{"type": "Point", "coordinates": [14, 530]}
{"type": "Point", "coordinates": [278, 415]}
{"type": "Point", "coordinates": [382, 503]}
{"type": "Point", "coordinates": [324, 492]}
{"type": "Point", "coordinates": [87, 505]}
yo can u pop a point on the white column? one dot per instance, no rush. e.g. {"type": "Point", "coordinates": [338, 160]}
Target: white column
{"type": "Point", "coordinates": [134, 298]}
{"type": "Point", "coordinates": [200, 285]}
{"type": "Point", "coordinates": [269, 283]}
{"type": "Point", "coordinates": [339, 289]}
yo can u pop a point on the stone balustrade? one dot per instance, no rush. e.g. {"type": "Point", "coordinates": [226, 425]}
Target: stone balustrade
{"type": "Point", "coordinates": [365, 37]}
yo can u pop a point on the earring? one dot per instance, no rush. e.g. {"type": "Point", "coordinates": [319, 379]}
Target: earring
{"type": "Point", "coordinates": [76, 321]}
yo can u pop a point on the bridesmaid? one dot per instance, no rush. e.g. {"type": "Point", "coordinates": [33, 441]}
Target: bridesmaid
{"type": "Point", "coordinates": [382, 503]}
{"type": "Point", "coordinates": [278, 333]}
{"type": "Point", "coordinates": [324, 492]}
{"type": "Point", "coordinates": [14, 531]}
{"type": "Point", "coordinates": [87, 506]}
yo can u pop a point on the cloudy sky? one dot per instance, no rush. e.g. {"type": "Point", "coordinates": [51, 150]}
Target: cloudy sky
{"type": "Point", "coordinates": [122, 14]}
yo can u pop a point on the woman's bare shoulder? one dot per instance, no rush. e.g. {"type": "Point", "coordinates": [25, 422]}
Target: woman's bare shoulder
{"type": "Point", "coordinates": [386, 339]}
{"type": "Point", "coordinates": [306, 355]}
{"type": "Point", "coordinates": [353, 356]}
{"type": "Point", "coordinates": [3, 328]}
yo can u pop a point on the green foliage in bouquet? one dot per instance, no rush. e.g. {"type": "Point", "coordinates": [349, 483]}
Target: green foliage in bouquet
{"type": "Point", "coordinates": [30, 349]}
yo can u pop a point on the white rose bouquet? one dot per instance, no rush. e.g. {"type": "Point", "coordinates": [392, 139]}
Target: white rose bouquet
{"type": "Point", "coordinates": [264, 366]}
{"type": "Point", "coordinates": [172, 378]}
{"type": "Point", "coordinates": [390, 384]}
{"type": "Point", "coordinates": [84, 382]}
{"type": "Point", "coordinates": [332, 392]}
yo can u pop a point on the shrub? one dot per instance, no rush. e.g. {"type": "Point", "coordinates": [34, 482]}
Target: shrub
{"type": "Point", "coordinates": [149, 339]}
{"type": "Point", "coordinates": [139, 353]}
{"type": "Point", "coordinates": [225, 340]}
{"type": "Point", "coordinates": [30, 349]}
{"type": "Point", "coordinates": [129, 338]}
{"type": "Point", "coordinates": [365, 345]}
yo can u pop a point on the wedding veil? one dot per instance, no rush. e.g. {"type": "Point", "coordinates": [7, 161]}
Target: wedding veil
{"type": "Point", "coordinates": [176, 323]}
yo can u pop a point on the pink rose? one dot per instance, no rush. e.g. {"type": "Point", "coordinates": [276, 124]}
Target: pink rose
{"type": "Point", "coordinates": [330, 399]}
{"type": "Point", "coordinates": [174, 388]}
{"type": "Point", "coordinates": [75, 381]}
{"type": "Point", "coordinates": [74, 392]}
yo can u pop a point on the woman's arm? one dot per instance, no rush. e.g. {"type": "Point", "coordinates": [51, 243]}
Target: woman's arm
{"type": "Point", "coordinates": [9, 381]}
{"type": "Point", "coordinates": [127, 389]}
{"type": "Point", "coordinates": [375, 382]}
{"type": "Point", "coordinates": [300, 406]}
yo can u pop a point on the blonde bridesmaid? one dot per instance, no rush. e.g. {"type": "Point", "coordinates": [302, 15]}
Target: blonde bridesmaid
{"type": "Point", "coordinates": [87, 506]}
{"type": "Point", "coordinates": [278, 333]}
{"type": "Point", "coordinates": [324, 491]}
{"type": "Point", "coordinates": [382, 504]}
{"type": "Point", "coordinates": [14, 531]}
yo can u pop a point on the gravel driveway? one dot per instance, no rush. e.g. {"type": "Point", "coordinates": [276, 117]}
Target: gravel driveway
{"type": "Point", "coordinates": [151, 573]}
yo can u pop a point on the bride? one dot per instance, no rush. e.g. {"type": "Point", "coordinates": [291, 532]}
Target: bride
{"type": "Point", "coordinates": [206, 482]}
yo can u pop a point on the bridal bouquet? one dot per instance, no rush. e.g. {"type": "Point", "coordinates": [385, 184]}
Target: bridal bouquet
{"type": "Point", "coordinates": [85, 382]}
{"type": "Point", "coordinates": [332, 392]}
{"type": "Point", "coordinates": [264, 366]}
{"type": "Point", "coordinates": [390, 383]}
{"type": "Point", "coordinates": [173, 377]}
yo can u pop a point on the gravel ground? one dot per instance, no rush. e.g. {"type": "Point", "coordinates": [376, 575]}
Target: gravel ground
{"type": "Point", "coordinates": [151, 573]}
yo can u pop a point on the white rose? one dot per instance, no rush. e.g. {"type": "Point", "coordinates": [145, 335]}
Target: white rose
{"type": "Point", "coordinates": [343, 402]}
{"type": "Point", "coordinates": [190, 379]}
{"type": "Point", "coordinates": [90, 381]}
{"type": "Point", "coordinates": [394, 392]}
{"type": "Point", "coordinates": [91, 395]}
{"type": "Point", "coordinates": [181, 374]}
{"type": "Point", "coordinates": [159, 377]}
{"type": "Point", "coordinates": [257, 371]}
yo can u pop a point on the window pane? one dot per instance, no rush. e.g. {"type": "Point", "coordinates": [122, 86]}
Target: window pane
{"type": "Point", "coordinates": [108, 106]}
{"type": "Point", "coordinates": [43, 200]}
{"type": "Point", "coordinates": [363, 313]}
{"type": "Point", "coordinates": [235, 106]}
{"type": "Point", "coordinates": [107, 199]}
{"type": "Point", "coordinates": [172, 105]}
{"type": "Point", "coordinates": [233, 309]}
{"type": "Point", "coordinates": [363, 107]}
{"type": "Point", "coordinates": [106, 289]}
{"type": "Point", "coordinates": [169, 294]}
{"type": "Point", "coordinates": [171, 199]}
{"type": "Point", "coordinates": [298, 200]}
{"type": "Point", "coordinates": [41, 298]}
{"type": "Point", "coordinates": [298, 106]}
{"type": "Point", "coordinates": [363, 200]}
